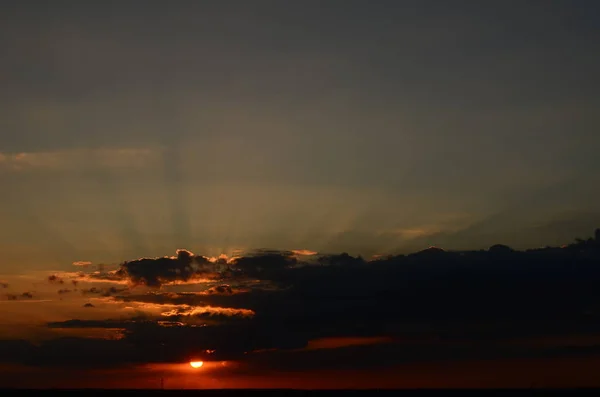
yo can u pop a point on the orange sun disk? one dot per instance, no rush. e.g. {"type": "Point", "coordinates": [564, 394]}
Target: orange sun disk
{"type": "Point", "coordinates": [196, 364]}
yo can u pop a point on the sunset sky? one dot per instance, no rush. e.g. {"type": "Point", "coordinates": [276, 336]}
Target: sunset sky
{"type": "Point", "coordinates": [133, 129]}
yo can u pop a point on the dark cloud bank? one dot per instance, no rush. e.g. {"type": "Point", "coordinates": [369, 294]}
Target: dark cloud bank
{"type": "Point", "coordinates": [431, 305]}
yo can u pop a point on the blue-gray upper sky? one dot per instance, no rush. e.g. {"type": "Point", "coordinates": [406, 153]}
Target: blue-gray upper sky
{"type": "Point", "coordinates": [132, 128]}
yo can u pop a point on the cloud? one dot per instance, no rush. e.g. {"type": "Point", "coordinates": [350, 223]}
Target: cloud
{"type": "Point", "coordinates": [154, 272]}
{"type": "Point", "coordinates": [186, 267]}
{"type": "Point", "coordinates": [63, 159]}
{"type": "Point", "coordinates": [109, 277]}
{"type": "Point", "coordinates": [82, 263]}
{"type": "Point", "coordinates": [171, 298]}
{"type": "Point", "coordinates": [108, 291]}
{"type": "Point", "coordinates": [55, 279]}
{"type": "Point", "coordinates": [146, 341]}
{"type": "Point", "coordinates": [88, 305]}
{"type": "Point", "coordinates": [304, 252]}
{"type": "Point", "coordinates": [178, 341]}
{"type": "Point", "coordinates": [117, 324]}
{"type": "Point", "coordinates": [418, 306]}
{"type": "Point", "coordinates": [4, 284]}
{"type": "Point", "coordinates": [223, 289]}
{"type": "Point", "coordinates": [208, 311]}
{"type": "Point", "coordinates": [265, 264]}
{"type": "Point", "coordinates": [239, 298]}
{"type": "Point", "coordinates": [15, 297]}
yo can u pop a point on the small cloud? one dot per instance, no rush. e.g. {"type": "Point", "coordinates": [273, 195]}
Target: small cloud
{"type": "Point", "coordinates": [221, 259]}
{"type": "Point", "coordinates": [11, 297]}
{"type": "Point", "coordinates": [207, 311]}
{"type": "Point", "coordinates": [103, 291]}
{"type": "Point", "coordinates": [104, 158]}
{"type": "Point", "coordinates": [3, 284]}
{"type": "Point", "coordinates": [93, 290]}
{"type": "Point", "coordinates": [54, 279]}
{"type": "Point", "coordinates": [112, 277]}
{"type": "Point", "coordinates": [88, 305]}
{"type": "Point", "coordinates": [224, 289]}
{"type": "Point", "coordinates": [27, 295]}
{"type": "Point", "coordinates": [82, 263]}
{"type": "Point", "coordinates": [63, 291]}
{"type": "Point", "coordinates": [410, 234]}
{"type": "Point", "coordinates": [304, 252]}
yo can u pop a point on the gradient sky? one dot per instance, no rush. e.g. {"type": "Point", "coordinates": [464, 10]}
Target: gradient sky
{"type": "Point", "coordinates": [130, 129]}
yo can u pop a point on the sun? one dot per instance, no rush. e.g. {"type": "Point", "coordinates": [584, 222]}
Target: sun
{"type": "Point", "coordinates": [196, 364]}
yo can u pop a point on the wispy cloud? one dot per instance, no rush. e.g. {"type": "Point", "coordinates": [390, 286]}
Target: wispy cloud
{"type": "Point", "coordinates": [208, 311]}
{"type": "Point", "coordinates": [304, 252]}
{"type": "Point", "coordinates": [25, 301]}
{"type": "Point", "coordinates": [61, 159]}
{"type": "Point", "coordinates": [82, 263]}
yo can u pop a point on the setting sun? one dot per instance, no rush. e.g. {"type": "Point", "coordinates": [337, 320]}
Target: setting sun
{"type": "Point", "coordinates": [196, 364]}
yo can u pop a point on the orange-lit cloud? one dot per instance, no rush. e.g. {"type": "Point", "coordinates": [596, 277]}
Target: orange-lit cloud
{"type": "Point", "coordinates": [53, 278]}
{"type": "Point", "coordinates": [224, 258]}
{"type": "Point", "coordinates": [15, 299]}
{"type": "Point", "coordinates": [110, 277]}
{"type": "Point", "coordinates": [193, 280]}
{"type": "Point", "coordinates": [185, 310]}
{"type": "Point", "coordinates": [82, 263]}
{"type": "Point", "coordinates": [304, 252]}
{"type": "Point", "coordinates": [223, 289]}
{"type": "Point", "coordinates": [174, 310]}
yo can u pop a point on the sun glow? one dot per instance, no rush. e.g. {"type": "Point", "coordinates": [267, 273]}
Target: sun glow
{"type": "Point", "coordinates": [196, 364]}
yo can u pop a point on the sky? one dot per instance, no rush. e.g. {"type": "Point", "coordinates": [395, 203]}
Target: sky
{"type": "Point", "coordinates": [131, 129]}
